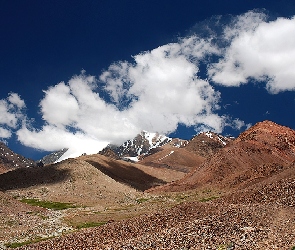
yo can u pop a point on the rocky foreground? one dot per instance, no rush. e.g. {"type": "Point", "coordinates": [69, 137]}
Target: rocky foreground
{"type": "Point", "coordinates": [198, 225]}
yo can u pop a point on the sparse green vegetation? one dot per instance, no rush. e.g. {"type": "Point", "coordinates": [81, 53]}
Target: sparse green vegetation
{"type": "Point", "coordinates": [16, 244]}
{"type": "Point", "coordinates": [48, 204]}
{"type": "Point", "coordinates": [90, 224]}
{"type": "Point", "coordinates": [12, 223]}
{"type": "Point", "coordinates": [19, 244]}
{"type": "Point", "coordinates": [181, 197]}
{"type": "Point", "coordinates": [205, 199]}
{"type": "Point", "coordinates": [141, 200]}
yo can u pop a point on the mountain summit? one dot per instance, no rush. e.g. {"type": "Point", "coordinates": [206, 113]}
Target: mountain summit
{"type": "Point", "coordinates": [143, 144]}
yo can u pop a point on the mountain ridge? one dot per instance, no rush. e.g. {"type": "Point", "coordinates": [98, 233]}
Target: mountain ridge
{"type": "Point", "coordinates": [245, 160]}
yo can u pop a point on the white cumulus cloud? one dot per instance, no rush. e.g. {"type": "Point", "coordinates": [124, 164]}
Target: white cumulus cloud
{"type": "Point", "coordinates": [157, 91]}
{"type": "Point", "coordinates": [260, 50]}
{"type": "Point", "coordinates": [11, 112]}
{"type": "Point", "coordinates": [5, 133]}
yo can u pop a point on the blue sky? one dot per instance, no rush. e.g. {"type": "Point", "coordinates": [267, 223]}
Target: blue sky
{"type": "Point", "coordinates": [81, 74]}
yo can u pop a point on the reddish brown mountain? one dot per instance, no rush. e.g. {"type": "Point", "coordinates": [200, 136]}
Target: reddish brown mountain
{"type": "Point", "coordinates": [263, 151]}
{"type": "Point", "coordinates": [188, 156]}
{"type": "Point", "coordinates": [10, 160]}
{"type": "Point", "coordinates": [207, 143]}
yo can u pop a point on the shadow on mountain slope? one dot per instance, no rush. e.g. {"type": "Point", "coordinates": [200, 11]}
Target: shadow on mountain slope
{"type": "Point", "coordinates": [27, 177]}
{"type": "Point", "coordinates": [129, 175]}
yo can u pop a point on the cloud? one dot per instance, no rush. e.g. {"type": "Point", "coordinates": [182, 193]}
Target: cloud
{"type": "Point", "coordinates": [11, 112]}
{"type": "Point", "coordinates": [5, 133]}
{"type": "Point", "coordinates": [15, 99]}
{"type": "Point", "coordinates": [163, 87]}
{"type": "Point", "coordinates": [258, 49]}
{"type": "Point", "coordinates": [6, 116]}
{"type": "Point", "coordinates": [51, 138]}
{"type": "Point", "coordinates": [157, 91]}
{"type": "Point", "coordinates": [239, 124]}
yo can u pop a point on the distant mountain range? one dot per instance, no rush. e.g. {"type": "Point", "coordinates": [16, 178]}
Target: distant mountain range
{"type": "Point", "coordinates": [142, 145]}
{"type": "Point", "coordinates": [134, 150]}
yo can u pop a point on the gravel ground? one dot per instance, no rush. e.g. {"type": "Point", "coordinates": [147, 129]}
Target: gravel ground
{"type": "Point", "coordinates": [211, 225]}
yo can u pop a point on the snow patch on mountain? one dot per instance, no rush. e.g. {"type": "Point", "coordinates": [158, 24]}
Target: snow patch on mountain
{"type": "Point", "coordinates": [221, 138]}
{"type": "Point", "coordinates": [166, 156]}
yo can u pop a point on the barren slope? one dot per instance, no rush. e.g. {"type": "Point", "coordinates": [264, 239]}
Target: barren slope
{"type": "Point", "coordinates": [255, 210]}
{"type": "Point", "coordinates": [10, 160]}
{"type": "Point", "coordinates": [72, 180]}
{"type": "Point", "coordinates": [189, 155]}
{"type": "Point", "coordinates": [264, 150]}
{"type": "Point", "coordinates": [178, 159]}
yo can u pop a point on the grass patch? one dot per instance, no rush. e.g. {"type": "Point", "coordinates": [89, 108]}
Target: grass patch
{"type": "Point", "coordinates": [48, 204]}
{"type": "Point", "coordinates": [205, 199]}
{"type": "Point", "coordinates": [90, 224]}
{"type": "Point", "coordinates": [19, 244]}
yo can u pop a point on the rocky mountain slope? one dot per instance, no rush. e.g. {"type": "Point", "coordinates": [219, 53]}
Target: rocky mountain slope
{"type": "Point", "coordinates": [20, 221]}
{"type": "Point", "coordinates": [185, 156]}
{"type": "Point", "coordinates": [10, 160]}
{"type": "Point", "coordinates": [86, 180]}
{"type": "Point", "coordinates": [260, 152]}
{"type": "Point", "coordinates": [207, 143]}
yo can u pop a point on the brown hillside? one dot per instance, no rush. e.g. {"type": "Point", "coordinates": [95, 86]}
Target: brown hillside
{"type": "Point", "coordinates": [10, 160]}
{"type": "Point", "coordinates": [195, 225]}
{"type": "Point", "coordinates": [188, 156]}
{"type": "Point", "coordinates": [206, 144]}
{"type": "Point", "coordinates": [87, 180]}
{"type": "Point", "coordinates": [73, 181]}
{"type": "Point", "coordinates": [98, 185]}
{"type": "Point", "coordinates": [178, 159]}
{"type": "Point", "coordinates": [262, 151]}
